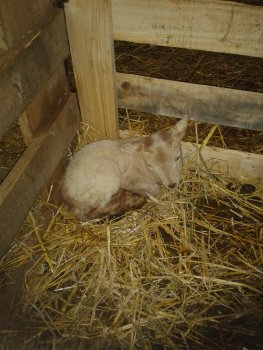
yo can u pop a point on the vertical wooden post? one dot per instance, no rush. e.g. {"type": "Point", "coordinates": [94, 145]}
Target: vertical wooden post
{"type": "Point", "coordinates": [89, 24]}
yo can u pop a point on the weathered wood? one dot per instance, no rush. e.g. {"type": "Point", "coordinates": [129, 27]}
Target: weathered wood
{"type": "Point", "coordinates": [18, 18]}
{"type": "Point", "coordinates": [25, 71]}
{"type": "Point", "coordinates": [210, 25]}
{"type": "Point", "coordinates": [222, 106]}
{"type": "Point", "coordinates": [27, 178]}
{"type": "Point", "coordinates": [42, 108]}
{"type": "Point", "coordinates": [90, 36]}
{"type": "Point", "coordinates": [240, 165]}
{"type": "Point", "coordinates": [3, 44]}
{"type": "Point", "coordinates": [25, 128]}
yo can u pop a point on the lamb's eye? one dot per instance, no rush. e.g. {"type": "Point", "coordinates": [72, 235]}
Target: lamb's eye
{"type": "Point", "coordinates": [177, 158]}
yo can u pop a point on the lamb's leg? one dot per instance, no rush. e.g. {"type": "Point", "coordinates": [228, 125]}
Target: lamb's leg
{"type": "Point", "coordinates": [123, 200]}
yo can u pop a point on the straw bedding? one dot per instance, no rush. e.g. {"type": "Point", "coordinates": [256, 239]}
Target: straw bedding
{"type": "Point", "coordinates": [183, 272]}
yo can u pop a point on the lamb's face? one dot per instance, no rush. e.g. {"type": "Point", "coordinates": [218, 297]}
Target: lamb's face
{"type": "Point", "coordinates": [163, 154]}
{"type": "Point", "coordinates": [164, 159]}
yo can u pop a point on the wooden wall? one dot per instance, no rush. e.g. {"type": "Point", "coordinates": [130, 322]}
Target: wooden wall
{"type": "Point", "coordinates": [35, 91]}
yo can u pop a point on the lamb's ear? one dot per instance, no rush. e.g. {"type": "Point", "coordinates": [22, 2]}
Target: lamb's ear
{"type": "Point", "coordinates": [180, 128]}
{"type": "Point", "coordinates": [131, 145]}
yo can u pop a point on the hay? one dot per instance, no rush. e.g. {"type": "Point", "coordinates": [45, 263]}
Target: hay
{"type": "Point", "coordinates": [11, 148]}
{"type": "Point", "coordinates": [192, 66]}
{"type": "Point", "coordinates": [181, 273]}
{"type": "Point", "coordinates": [223, 136]}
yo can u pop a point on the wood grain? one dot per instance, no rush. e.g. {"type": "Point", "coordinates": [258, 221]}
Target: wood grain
{"type": "Point", "coordinates": [90, 36]}
{"type": "Point", "coordinates": [40, 111]}
{"type": "Point", "coordinates": [3, 43]}
{"type": "Point", "coordinates": [24, 71]}
{"type": "Point", "coordinates": [210, 25]}
{"type": "Point", "coordinates": [221, 106]}
{"type": "Point", "coordinates": [20, 17]}
{"type": "Point", "coordinates": [23, 184]}
{"type": "Point", "coordinates": [243, 166]}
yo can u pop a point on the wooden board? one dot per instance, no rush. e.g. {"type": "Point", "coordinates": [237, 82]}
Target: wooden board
{"type": "Point", "coordinates": [23, 73]}
{"type": "Point", "coordinates": [90, 36]}
{"type": "Point", "coordinates": [203, 103]}
{"type": "Point", "coordinates": [211, 25]}
{"type": "Point", "coordinates": [19, 18]}
{"type": "Point", "coordinates": [243, 166]}
{"type": "Point", "coordinates": [3, 44]}
{"type": "Point", "coordinates": [23, 184]}
{"type": "Point", "coordinates": [41, 109]}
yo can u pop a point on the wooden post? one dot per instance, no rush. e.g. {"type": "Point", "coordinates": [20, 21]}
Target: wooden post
{"type": "Point", "coordinates": [89, 24]}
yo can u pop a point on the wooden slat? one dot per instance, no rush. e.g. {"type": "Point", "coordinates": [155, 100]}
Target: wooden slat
{"type": "Point", "coordinates": [23, 184]}
{"type": "Point", "coordinates": [240, 165]}
{"type": "Point", "coordinates": [211, 25]}
{"type": "Point", "coordinates": [203, 103]}
{"type": "Point", "coordinates": [90, 35]}
{"type": "Point", "coordinates": [3, 44]}
{"type": "Point", "coordinates": [30, 67]}
{"type": "Point", "coordinates": [40, 110]}
{"type": "Point", "coordinates": [19, 18]}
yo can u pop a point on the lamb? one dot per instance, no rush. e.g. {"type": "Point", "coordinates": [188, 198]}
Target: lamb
{"type": "Point", "coordinates": [108, 177]}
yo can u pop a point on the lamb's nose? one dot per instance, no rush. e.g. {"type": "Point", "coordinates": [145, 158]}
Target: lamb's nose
{"type": "Point", "coordinates": [172, 185]}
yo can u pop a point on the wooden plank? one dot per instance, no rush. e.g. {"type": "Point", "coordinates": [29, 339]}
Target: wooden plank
{"type": "Point", "coordinates": [90, 36]}
{"type": "Point", "coordinates": [25, 71]}
{"type": "Point", "coordinates": [41, 109]}
{"type": "Point", "coordinates": [19, 18]}
{"type": "Point", "coordinates": [222, 106]}
{"type": "Point", "coordinates": [25, 181]}
{"type": "Point", "coordinates": [211, 25]}
{"type": "Point", "coordinates": [240, 165]}
{"type": "Point", "coordinates": [3, 44]}
{"type": "Point", "coordinates": [25, 128]}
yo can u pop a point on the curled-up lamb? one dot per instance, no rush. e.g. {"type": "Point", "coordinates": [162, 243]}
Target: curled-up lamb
{"type": "Point", "coordinates": [108, 177]}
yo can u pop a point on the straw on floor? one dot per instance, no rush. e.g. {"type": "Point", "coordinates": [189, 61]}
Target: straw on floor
{"type": "Point", "coordinates": [183, 272]}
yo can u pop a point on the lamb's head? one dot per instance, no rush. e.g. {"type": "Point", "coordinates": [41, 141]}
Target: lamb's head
{"type": "Point", "coordinates": [163, 155]}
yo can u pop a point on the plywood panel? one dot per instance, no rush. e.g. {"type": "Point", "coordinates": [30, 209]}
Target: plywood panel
{"type": "Point", "coordinates": [211, 25]}
{"type": "Point", "coordinates": [25, 70]}
{"type": "Point", "coordinates": [27, 178]}
{"type": "Point", "coordinates": [203, 103]}
{"type": "Point", "coordinates": [90, 36]}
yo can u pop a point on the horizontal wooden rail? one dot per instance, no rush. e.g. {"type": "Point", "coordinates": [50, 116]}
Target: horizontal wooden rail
{"type": "Point", "coordinates": [209, 25]}
{"type": "Point", "coordinates": [24, 70]}
{"type": "Point", "coordinates": [23, 184]}
{"type": "Point", "coordinates": [242, 165]}
{"type": "Point", "coordinates": [216, 105]}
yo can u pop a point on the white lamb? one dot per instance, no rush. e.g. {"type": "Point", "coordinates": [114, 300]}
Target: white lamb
{"type": "Point", "coordinates": [108, 177]}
